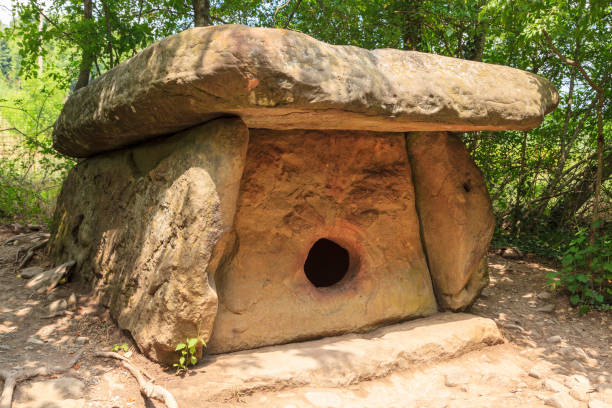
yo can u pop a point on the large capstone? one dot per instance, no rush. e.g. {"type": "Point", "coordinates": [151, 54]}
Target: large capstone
{"type": "Point", "coordinates": [279, 79]}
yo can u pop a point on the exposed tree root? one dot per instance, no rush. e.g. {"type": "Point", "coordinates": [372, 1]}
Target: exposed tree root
{"type": "Point", "coordinates": [31, 252]}
{"type": "Point", "coordinates": [11, 378]}
{"type": "Point", "coordinates": [147, 388]}
{"type": "Point", "coordinates": [30, 235]}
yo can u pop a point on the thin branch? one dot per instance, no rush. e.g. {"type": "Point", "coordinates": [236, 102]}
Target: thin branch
{"type": "Point", "coordinates": [572, 63]}
{"type": "Point", "coordinates": [219, 19]}
{"type": "Point", "coordinates": [292, 14]}
{"type": "Point", "coordinates": [279, 8]}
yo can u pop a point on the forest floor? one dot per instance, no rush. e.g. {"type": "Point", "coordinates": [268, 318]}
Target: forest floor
{"type": "Point", "coordinates": [552, 356]}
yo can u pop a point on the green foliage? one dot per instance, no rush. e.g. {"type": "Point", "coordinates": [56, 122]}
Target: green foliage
{"type": "Point", "coordinates": [118, 29]}
{"type": "Point", "coordinates": [5, 58]}
{"type": "Point", "coordinates": [120, 347]}
{"type": "Point", "coordinates": [187, 353]}
{"type": "Point", "coordinates": [587, 271]}
{"type": "Point", "coordinates": [31, 171]}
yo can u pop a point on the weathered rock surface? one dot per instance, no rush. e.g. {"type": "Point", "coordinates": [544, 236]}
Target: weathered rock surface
{"type": "Point", "coordinates": [29, 273]}
{"type": "Point", "coordinates": [65, 392]}
{"type": "Point", "coordinates": [278, 79]}
{"type": "Point", "coordinates": [146, 225]}
{"type": "Point", "coordinates": [354, 188]}
{"type": "Point", "coordinates": [456, 216]}
{"type": "Point", "coordinates": [344, 360]}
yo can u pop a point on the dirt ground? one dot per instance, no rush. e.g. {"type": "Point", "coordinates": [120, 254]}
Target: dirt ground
{"type": "Point", "coordinates": [552, 357]}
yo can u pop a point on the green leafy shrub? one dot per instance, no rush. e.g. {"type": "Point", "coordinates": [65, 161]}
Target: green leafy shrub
{"type": "Point", "coordinates": [188, 353]}
{"type": "Point", "coordinates": [121, 347]}
{"type": "Point", "coordinates": [587, 272]}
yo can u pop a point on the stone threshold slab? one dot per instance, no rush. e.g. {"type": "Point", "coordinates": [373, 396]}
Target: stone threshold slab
{"type": "Point", "coordinates": [338, 361]}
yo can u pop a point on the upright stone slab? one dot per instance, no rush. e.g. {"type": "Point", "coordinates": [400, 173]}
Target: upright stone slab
{"type": "Point", "coordinates": [456, 216]}
{"type": "Point", "coordinates": [340, 222]}
{"type": "Point", "coordinates": [144, 225]}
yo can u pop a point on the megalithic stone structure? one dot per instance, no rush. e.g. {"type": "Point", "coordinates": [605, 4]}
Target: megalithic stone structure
{"type": "Point", "coordinates": [256, 186]}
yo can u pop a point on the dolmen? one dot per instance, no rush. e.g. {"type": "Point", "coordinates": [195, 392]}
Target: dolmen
{"type": "Point", "coordinates": [256, 186]}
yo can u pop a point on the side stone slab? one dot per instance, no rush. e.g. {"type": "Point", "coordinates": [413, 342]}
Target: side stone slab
{"type": "Point", "coordinates": [147, 227]}
{"type": "Point", "coordinates": [456, 217]}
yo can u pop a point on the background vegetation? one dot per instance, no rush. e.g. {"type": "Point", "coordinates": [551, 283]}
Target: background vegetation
{"type": "Point", "coordinates": [550, 187]}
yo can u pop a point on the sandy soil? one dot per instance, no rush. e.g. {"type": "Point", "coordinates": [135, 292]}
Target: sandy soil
{"type": "Point", "coordinates": [551, 357]}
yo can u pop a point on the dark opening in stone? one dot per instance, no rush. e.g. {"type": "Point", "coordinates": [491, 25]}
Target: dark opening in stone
{"type": "Point", "coordinates": [326, 264]}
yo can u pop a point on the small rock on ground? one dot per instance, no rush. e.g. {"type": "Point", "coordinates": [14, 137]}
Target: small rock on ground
{"type": "Point", "coordinates": [579, 382]}
{"type": "Point", "coordinates": [604, 388]}
{"type": "Point", "coordinates": [57, 306]}
{"type": "Point", "coordinates": [454, 380]}
{"type": "Point", "coordinates": [30, 272]}
{"type": "Point", "coordinates": [544, 295]}
{"type": "Point", "coordinates": [535, 372]}
{"type": "Point", "coordinates": [598, 404]}
{"type": "Point", "coordinates": [546, 308]}
{"type": "Point", "coordinates": [579, 395]}
{"type": "Point", "coordinates": [554, 339]}
{"type": "Point", "coordinates": [554, 386]}
{"type": "Point", "coordinates": [65, 392]}
{"type": "Point", "coordinates": [511, 253]}
{"type": "Point", "coordinates": [562, 400]}
{"type": "Point", "coordinates": [82, 340]}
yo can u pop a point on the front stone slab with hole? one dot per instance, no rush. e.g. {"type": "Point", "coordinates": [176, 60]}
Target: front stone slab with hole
{"type": "Point", "coordinates": [257, 187]}
{"type": "Point", "coordinates": [328, 240]}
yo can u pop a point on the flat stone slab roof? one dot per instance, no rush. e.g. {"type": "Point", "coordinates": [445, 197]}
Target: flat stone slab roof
{"type": "Point", "coordinates": [280, 79]}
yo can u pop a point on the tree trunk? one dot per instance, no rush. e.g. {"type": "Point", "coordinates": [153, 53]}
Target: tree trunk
{"type": "Point", "coordinates": [520, 188]}
{"type": "Point", "coordinates": [412, 26]}
{"type": "Point", "coordinates": [40, 56]}
{"type": "Point", "coordinates": [599, 174]}
{"type": "Point", "coordinates": [473, 49]}
{"type": "Point", "coordinates": [109, 35]}
{"type": "Point", "coordinates": [201, 13]}
{"type": "Point", "coordinates": [87, 58]}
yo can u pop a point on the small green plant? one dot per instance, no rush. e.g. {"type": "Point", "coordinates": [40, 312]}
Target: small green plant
{"type": "Point", "coordinates": [121, 347]}
{"type": "Point", "coordinates": [586, 272]}
{"type": "Point", "coordinates": [187, 353]}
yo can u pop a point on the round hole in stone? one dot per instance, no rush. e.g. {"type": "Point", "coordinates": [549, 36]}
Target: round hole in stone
{"type": "Point", "coordinates": [327, 263]}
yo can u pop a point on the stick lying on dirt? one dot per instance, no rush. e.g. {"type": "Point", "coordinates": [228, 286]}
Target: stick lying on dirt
{"type": "Point", "coordinates": [12, 378]}
{"type": "Point", "coordinates": [147, 388]}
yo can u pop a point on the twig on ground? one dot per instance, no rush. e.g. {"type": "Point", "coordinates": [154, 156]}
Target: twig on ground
{"type": "Point", "coordinates": [11, 378]}
{"type": "Point", "coordinates": [147, 388]}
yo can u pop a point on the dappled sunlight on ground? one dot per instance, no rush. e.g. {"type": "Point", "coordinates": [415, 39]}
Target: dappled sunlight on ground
{"type": "Point", "coordinates": [548, 340]}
